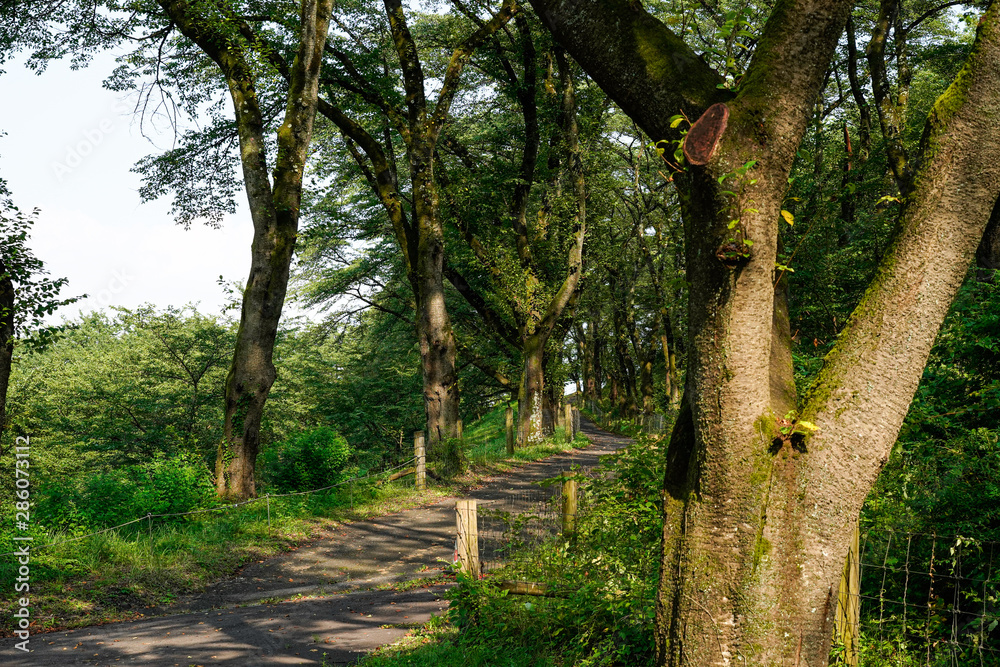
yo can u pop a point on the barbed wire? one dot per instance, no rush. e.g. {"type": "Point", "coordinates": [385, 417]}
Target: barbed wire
{"type": "Point", "coordinates": [222, 508]}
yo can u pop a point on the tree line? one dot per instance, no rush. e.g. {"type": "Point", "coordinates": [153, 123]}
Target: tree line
{"type": "Point", "coordinates": [753, 216]}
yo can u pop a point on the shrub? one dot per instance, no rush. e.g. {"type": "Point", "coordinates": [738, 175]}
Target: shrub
{"type": "Point", "coordinates": [452, 456]}
{"type": "Point", "coordinates": [165, 485]}
{"type": "Point", "coordinates": [310, 460]}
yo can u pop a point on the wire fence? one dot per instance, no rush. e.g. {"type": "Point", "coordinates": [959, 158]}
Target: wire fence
{"type": "Point", "coordinates": [266, 499]}
{"type": "Point", "coordinates": [907, 599]}
{"type": "Point", "coordinates": [921, 600]}
{"type": "Point", "coordinates": [514, 531]}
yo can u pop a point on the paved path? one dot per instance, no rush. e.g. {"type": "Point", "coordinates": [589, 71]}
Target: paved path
{"type": "Point", "coordinates": [211, 630]}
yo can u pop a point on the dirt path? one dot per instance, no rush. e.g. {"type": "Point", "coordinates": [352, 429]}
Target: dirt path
{"type": "Point", "coordinates": [342, 619]}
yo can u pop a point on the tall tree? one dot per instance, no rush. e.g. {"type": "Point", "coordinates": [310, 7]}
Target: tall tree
{"type": "Point", "coordinates": [227, 50]}
{"type": "Point", "coordinates": [760, 500]}
{"type": "Point", "coordinates": [355, 93]}
{"type": "Point", "coordinates": [522, 213]}
{"type": "Point", "coordinates": [273, 207]}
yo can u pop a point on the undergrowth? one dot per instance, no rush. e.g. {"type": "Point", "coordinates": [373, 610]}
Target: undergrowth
{"type": "Point", "coordinates": [601, 580]}
{"type": "Point", "coordinates": [141, 568]}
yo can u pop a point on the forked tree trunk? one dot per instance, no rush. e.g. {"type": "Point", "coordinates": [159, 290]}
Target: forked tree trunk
{"type": "Point", "coordinates": [757, 522]}
{"type": "Point", "coordinates": [536, 334]}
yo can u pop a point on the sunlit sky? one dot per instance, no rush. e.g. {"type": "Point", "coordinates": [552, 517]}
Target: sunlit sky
{"type": "Point", "coordinates": [68, 150]}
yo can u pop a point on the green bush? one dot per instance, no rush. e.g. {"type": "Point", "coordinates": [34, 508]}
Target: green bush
{"type": "Point", "coordinates": [311, 460]}
{"type": "Point", "coordinates": [165, 485]}
{"type": "Point", "coordinates": [451, 455]}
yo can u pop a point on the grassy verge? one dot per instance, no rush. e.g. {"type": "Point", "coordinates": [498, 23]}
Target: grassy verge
{"type": "Point", "coordinates": [438, 644]}
{"type": "Point", "coordinates": [486, 443]}
{"type": "Point", "coordinates": [125, 573]}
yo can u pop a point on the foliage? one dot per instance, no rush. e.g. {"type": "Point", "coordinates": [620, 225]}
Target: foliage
{"type": "Point", "coordinates": [311, 460]}
{"type": "Point", "coordinates": [603, 579]}
{"type": "Point", "coordinates": [942, 484]}
{"type": "Point", "coordinates": [36, 295]}
{"type": "Point", "coordinates": [165, 485]}
{"type": "Point", "coordinates": [124, 387]}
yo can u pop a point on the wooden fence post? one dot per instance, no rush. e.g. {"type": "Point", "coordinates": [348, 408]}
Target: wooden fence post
{"type": "Point", "coordinates": [510, 430]}
{"type": "Point", "coordinates": [467, 522]}
{"type": "Point", "coordinates": [848, 617]}
{"type": "Point", "coordinates": [568, 507]}
{"type": "Point", "coordinates": [576, 421]}
{"type": "Point", "coordinates": [458, 430]}
{"type": "Point", "coordinates": [421, 460]}
{"type": "Point", "coordinates": [568, 421]}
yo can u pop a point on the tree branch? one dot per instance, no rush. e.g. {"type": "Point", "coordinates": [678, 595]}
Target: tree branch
{"type": "Point", "coordinates": [459, 57]}
{"type": "Point", "coordinates": [640, 63]}
{"type": "Point", "coordinates": [497, 324]}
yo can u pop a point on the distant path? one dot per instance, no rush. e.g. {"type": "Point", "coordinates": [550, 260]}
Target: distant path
{"type": "Point", "coordinates": [342, 618]}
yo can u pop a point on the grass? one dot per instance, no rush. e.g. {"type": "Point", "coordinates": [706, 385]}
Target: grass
{"type": "Point", "coordinates": [487, 444]}
{"type": "Point", "coordinates": [605, 577]}
{"type": "Point", "coordinates": [438, 644]}
{"type": "Point", "coordinates": [138, 570]}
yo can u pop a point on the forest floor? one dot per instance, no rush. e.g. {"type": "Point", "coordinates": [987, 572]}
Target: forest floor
{"type": "Point", "coordinates": [330, 601]}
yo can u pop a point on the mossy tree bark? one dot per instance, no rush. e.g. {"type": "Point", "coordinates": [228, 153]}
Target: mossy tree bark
{"type": "Point", "coordinates": [756, 522]}
{"type": "Point", "coordinates": [274, 209]}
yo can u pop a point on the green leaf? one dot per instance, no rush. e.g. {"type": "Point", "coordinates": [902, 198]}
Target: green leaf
{"type": "Point", "coordinates": [675, 121]}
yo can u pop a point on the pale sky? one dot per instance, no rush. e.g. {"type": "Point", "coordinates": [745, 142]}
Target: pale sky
{"type": "Point", "coordinates": [68, 151]}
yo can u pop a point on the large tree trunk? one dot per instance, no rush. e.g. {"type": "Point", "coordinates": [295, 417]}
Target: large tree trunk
{"type": "Point", "coordinates": [757, 522]}
{"type": "Point", "coordinates": [434, 332]}
{"type": "Point", "coordinates": [252, 372]}
{"type": "Point", "coordinates": [529, 396]}
{"type": "Point", "coordinates": [275, 213]}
